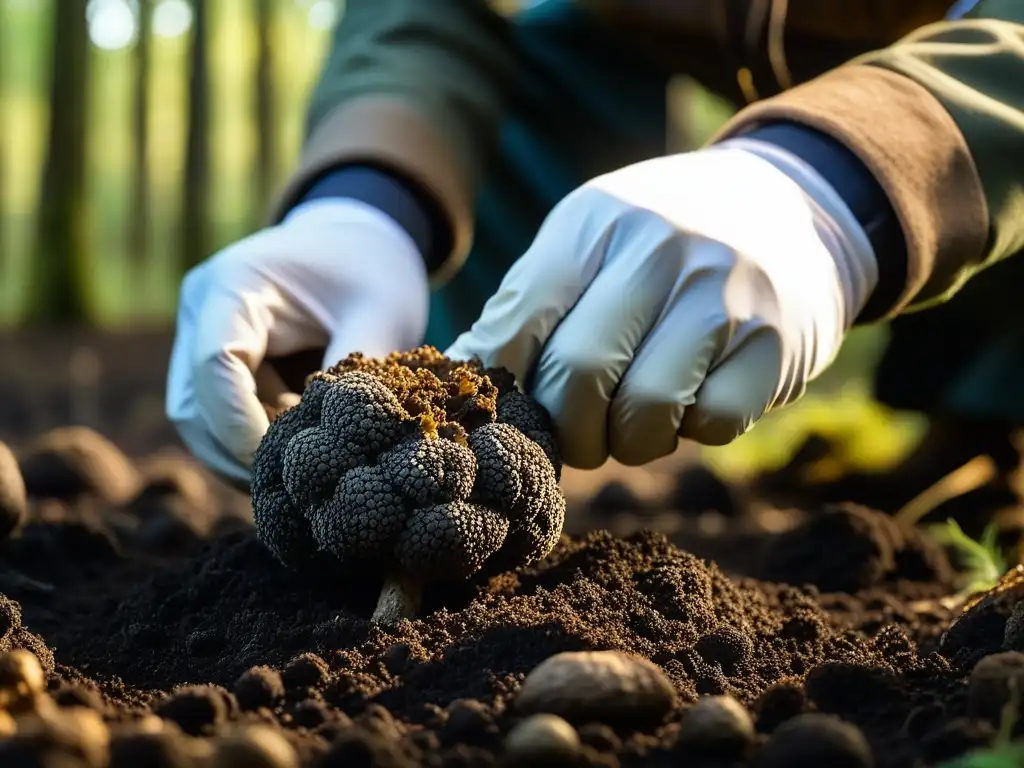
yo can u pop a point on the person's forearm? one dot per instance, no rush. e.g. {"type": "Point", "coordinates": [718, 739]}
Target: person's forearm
{"type": "Point", "coordinates": [416, 92]}
{"type": "Point", "coordinates": [400, 200]}
{"type": "Point", "coordinates": [859, 189]}
{"type": "Point", "coordinates": [862, 193]}
{"type": "Point", "coordinates": [936, 117]}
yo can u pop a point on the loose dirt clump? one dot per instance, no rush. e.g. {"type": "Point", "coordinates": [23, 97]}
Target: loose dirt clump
{"type": "Point", "coordinates": [611, 651]}
{"type": "Point", "coordinates": [864, 549]}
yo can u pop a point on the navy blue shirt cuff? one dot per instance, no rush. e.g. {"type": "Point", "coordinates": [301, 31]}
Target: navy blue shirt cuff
{"type": "Point", "coordinates": [852, 180]}
{"type": "Point", "coordinates": [391, 195]}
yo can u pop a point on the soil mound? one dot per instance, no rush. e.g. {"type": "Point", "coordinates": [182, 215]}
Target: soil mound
{"type": "Point", "coordinates": [847, 548]}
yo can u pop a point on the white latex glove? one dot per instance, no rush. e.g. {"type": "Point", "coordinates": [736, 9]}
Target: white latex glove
{"type": "Point", "coordinates": [681, 296]}
{"type": "Point", "coordinates": [335, 273]}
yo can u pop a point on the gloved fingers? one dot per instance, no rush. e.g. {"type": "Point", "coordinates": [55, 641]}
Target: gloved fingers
{"type": "Point", "coordinates": [180, 404]}
{"type": "Point", "coordinates": [540, 287]}
{"type": "Point", "coordinates": [668, 370]}
{"type": "Point", "coordinates": [737, 392]}
{"type": "Point", "coordinates": [235, 329]}
{"type": "Point", "coordinates": [361, 331]}
{"type": "Point", "coordinates": [373, 323]}
{"type": "Point", "coordinates": [584, 359]}
{"type": "Point", "coordinates": [271, 389]}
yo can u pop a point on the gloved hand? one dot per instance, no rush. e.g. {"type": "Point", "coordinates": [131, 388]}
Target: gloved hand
{"type": "Point", "coordinates": [681, 296]}
{"type": "Point", "coordinates": [335, 273]}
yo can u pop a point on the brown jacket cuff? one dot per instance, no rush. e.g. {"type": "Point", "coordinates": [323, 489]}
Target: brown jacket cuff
{"type": "Point", "coordinates": [908, 140]}
{"type": "Point", "coordinates": [391, 134]}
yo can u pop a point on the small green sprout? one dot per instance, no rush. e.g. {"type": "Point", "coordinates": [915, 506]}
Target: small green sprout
{"type": "Point", "coordinates": [984, 561]}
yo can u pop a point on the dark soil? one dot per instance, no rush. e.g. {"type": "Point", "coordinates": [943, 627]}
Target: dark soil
{"type": "Point", "coordinates": [828, 634]}
{"type": "Point", "coordinates": [132, 617]}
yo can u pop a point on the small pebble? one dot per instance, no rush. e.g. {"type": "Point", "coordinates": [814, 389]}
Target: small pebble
{"type": "Point", "coordinates": [255, 746]}
{"type": "Point", "coordinates": [149, 723]}
{"type": "Point", "coordinates": [815, 740]}
{"type": "Point", "coordinates": [597, 686]}
{"type": "Point", "coordinates": [21, 676]}
{"type": "Point", "coordinates": [13, 498]}
{"type": "Point", "coordinates": [541, 740]}
{"type": "Point", "coordinates": [77, 731]}
{"type": "Point", "coordinates": [717, 725]}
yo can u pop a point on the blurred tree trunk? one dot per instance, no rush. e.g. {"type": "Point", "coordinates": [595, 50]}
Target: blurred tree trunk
{"type": "Point", "coordinates": [266, 122]}
{"type": "Point", "coordinates": [4, 256]}
{"type": "Point", "coordinates": [195, 237]}
{"type": "Point", "coordinates": [138, 221]}
{"type": "Point", "coordinates": [59, 287]}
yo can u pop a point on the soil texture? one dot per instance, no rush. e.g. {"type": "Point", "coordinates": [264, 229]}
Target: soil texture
{"type": "Point", "coordinates": [699, 627]}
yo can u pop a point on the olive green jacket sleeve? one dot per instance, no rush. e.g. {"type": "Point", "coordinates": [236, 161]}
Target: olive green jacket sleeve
{"type": "Point", "coordinates": [938, 117]}
{"type": "Point", "coordinates": [418, 88]}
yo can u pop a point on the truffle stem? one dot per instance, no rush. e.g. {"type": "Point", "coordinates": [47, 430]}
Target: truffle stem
{"type": "Point", "coordinates": [400, 598]}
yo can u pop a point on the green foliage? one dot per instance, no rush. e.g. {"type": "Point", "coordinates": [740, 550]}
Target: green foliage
{"type": "Point", "coordinates": [120, 297]}
{"type": "Point", "coordinates": [1001, 756]}
{"type": "Point", "coordinates": [983, 560]}
{"type": "Point", "coordinates": [1004, 752]}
